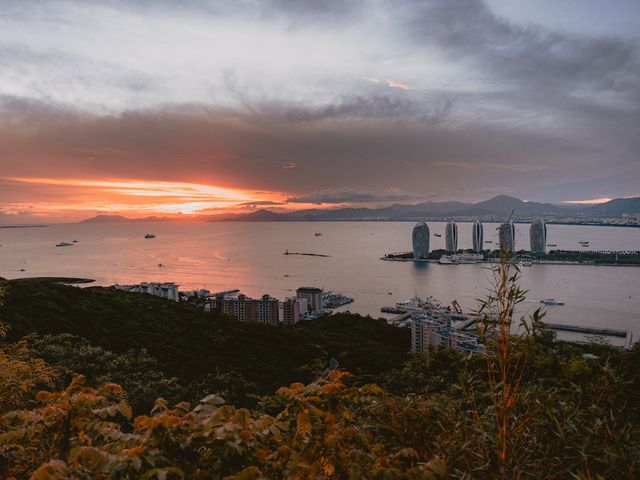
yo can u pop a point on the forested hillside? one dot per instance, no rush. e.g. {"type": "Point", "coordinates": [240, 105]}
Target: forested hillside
{"type": "Point", "coordinates": [184, 352]}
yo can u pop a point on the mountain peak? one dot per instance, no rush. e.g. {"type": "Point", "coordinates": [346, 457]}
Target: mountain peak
{"type": "Point", "coordinates": [262, 215]}
{"type": "Point", "coordinates": [504, 198]}
{"type": "Point", "coordinates": [106, 219]}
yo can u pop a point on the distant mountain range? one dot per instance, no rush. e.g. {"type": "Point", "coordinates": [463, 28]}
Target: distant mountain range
{"type": "Point", "coordinates": [498, 208]}
{"type": "Point", "coordinates": [120, 218]}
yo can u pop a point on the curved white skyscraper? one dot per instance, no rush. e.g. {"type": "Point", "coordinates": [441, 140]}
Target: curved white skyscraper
{"type": "Point", "coordinates": [538, 236]}
{"type": "Point", "coordinates": [451, 236]}
{"type": "Point", "coordinates": [420, 240]}
{"type": "Point", "coordinates": [507, 234]}
{"type": "Point", "coordinates": [478, 237]}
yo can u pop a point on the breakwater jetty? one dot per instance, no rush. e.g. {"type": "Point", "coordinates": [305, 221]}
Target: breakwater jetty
{"type": "Point", "coordinates": [287, 252]}
{"type": "Point", "coordinates": [609, 332]}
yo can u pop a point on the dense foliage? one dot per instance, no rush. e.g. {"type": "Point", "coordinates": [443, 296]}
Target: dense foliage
{"type": "Point", "coordinates": [435, 415]}
{"type": "Point", "coordinates": [116, 333]}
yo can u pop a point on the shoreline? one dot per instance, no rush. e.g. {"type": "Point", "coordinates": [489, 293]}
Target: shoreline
{"type": "Point", "coordinates": [543, 262]}
{"type": "Point", "coordinates": [63, 280]}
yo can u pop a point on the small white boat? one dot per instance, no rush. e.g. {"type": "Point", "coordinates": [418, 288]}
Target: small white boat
{"type": "Point", "coordinates": [551, 301]}
{"type": "Point", "coordinates": [64, 244]}
{"type": "Point", "coordinates": [149, 235]}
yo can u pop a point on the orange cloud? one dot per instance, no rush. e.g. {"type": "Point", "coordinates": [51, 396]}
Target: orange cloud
{"type": "Point", "coordinates": [593, 201]}
{"type": "Point", "coordinates": [403, 86]}
{"type": "Point", "coordinates": [136, 197]}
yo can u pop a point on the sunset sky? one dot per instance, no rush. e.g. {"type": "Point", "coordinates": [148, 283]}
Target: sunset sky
{"type": "Point", "coordinates": [200, 107]}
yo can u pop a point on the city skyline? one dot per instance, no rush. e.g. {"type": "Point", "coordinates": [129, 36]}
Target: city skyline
{"type": "Point", "coordinates": [142, 108]}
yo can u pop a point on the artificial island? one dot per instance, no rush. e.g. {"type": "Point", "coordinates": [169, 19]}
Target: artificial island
{"type": "Point", "coordinates": [538, 252]}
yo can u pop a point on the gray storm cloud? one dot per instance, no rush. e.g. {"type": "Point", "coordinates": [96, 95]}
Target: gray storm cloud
{"type": "Point", "coordinates": [230, 92]}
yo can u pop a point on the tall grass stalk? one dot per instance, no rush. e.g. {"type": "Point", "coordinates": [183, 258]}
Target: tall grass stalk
{"type": "Point", "coordinates": [506, 359]}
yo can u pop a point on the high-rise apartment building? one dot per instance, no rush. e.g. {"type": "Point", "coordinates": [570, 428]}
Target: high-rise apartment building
{"type": "Point", "coordinates": [313, 296]}
{"type": "Point", "coordinates": [538, 236]}
{"type": "Point", "coordinates": [290, 311]}
{"type": "Point", "coordinates": [420, 240]}
{"type": "Point", "coordinates": [478, 237]}
{"type": "Point", "coordinates": [268, 310]}
{"type": "Point", "coordinates": [451, 236]}
{"type": "Point", "coordinates": [246, 309]}
{"type": "Point", "coordinates": [166, 290]}
{"type": "Point", "coordinates": [507, 235]}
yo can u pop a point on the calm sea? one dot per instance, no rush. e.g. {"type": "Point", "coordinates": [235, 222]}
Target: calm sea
{"type": "Point", "coordinates": [249, 256]}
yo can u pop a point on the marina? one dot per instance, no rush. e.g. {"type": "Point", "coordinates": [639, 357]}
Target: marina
{"type": "Point", "coordinates": [435, 325]}
{"type": "Point", "coordinates": [445, 324]}
{"type": "Point", "coordinates": [335, 300]}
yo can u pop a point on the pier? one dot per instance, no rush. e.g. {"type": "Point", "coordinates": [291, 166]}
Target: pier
{"type": "Point", "coordinates": [399, 318]}
{"type": "Point", "coordinates": [605, 332]}
{"type": "Point", "coordinates": [609, 332]}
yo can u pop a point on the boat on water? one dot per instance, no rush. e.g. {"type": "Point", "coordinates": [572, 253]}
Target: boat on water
{"type": "Point", "coordinates": [149, 235]}
{"type": "Point", "coordinates": [551, 245]}
{"type": "Point", "coordinates": [488, 241]}
{"type": "Point", "coordinates": [318, 234]}
{"type": "Point", "coordinates": [64, 244]}
{"type": "Point", "coordinates": [437, 234]}
{"type": "Point", "coordinates": [551, 301]}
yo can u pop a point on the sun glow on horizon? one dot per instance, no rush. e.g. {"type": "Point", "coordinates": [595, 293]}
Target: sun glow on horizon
{"type": "Point", "coordinates": [137, 197]}
{"type": "Point", "coordinates": [593, 201]}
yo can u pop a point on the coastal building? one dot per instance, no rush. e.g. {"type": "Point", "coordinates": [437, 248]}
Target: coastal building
{"type": "Point", "coordinates": [268, 310]}
{"type": "Point", "coordinates": [290, 311]}
{"type": "Point", "coordinates": [313, 297]}
{"type": "Point", "coordinates": [246, 309]}
{"type": "Point", "coordinates": [197, 297]}
{"type": "Point", "coordinates": [451, 236]}
{"type": "Point", "coordinates": [420, 240]}
{"type": "Point", "coordinates": [234, 306]}
{"type": "Point", "coordinates": [478, 237]}
{"type": "Point", "coordinates": [507, 235]}
{"type": "Point", "coordinates": [538, 236]}
{"type": "Point", "coordinates": [426, 334]}
{"type": "Point", "coordinates": [432, 326]}
{"type": "Point", "coordinates": [166, 290]}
